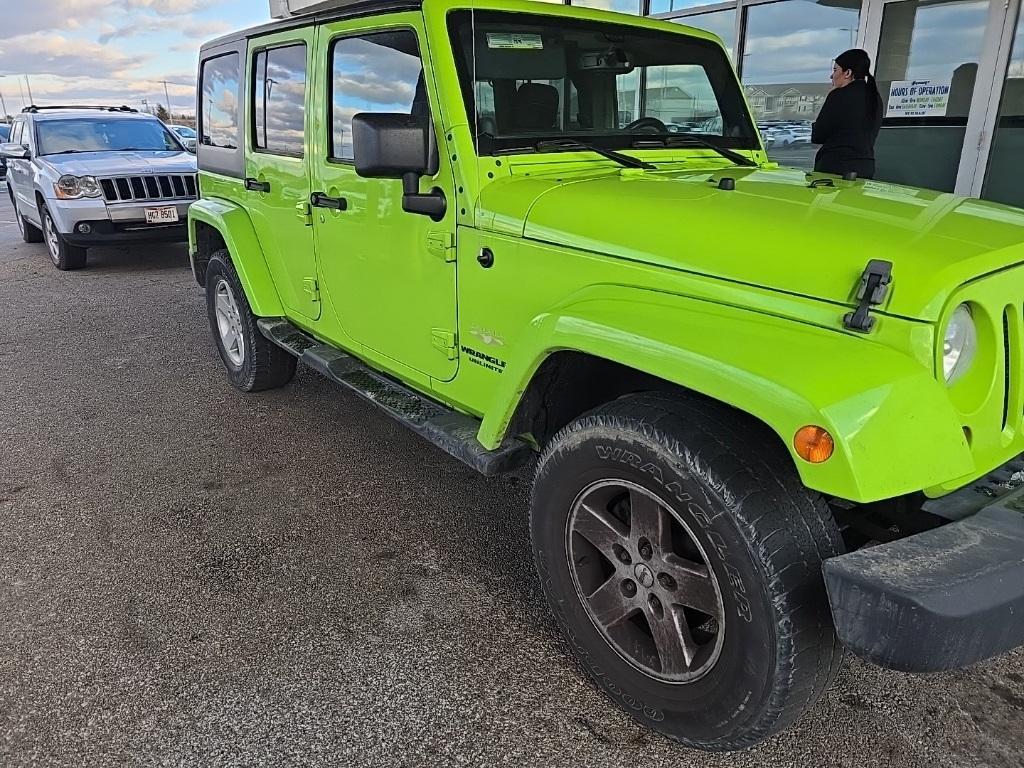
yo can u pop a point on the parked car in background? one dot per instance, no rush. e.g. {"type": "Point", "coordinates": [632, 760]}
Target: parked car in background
{"type": "Point", "coordinates": [85, 176]}
{"type": "Point", "coordinates": [187, 135]}
{"type": "Point", "coordinates": [5, 133]}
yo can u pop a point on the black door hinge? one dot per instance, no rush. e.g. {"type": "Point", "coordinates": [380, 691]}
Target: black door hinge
{"type": "Point", "coordinates": [871, 292]}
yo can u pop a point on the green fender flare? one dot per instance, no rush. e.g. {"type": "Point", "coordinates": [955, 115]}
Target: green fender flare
{"type": "Point", "coordinates": [235, 227]}
{"type": "Point", "coordinates": [895, 429]}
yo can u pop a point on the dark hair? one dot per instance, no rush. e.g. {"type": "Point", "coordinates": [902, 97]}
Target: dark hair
{"type": "Point", "coordinates": [859, 63]}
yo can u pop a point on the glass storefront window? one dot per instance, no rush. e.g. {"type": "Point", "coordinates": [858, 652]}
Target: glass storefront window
{"type": "Point", "coordinates": [787, 62]}
{"type": "Point", "coordinates": [1006, 160]}
{"type": "Point", "coordinates": [622, 6]}
{"type": "Point", "coordinates": [667, 6]}
{"type": "Point", "coordinates": [721, 23]}
{"type": "Point", "coordinates": [940, 41]}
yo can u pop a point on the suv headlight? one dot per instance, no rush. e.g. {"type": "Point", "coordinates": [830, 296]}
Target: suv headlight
{"type": "Point", "coordinates": [959, 345]}
{"type": "Point", "coordinates": [75, 187]}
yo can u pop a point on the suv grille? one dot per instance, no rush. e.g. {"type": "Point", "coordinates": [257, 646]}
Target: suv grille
{"type": "Point", "coordinates": [174, 186]}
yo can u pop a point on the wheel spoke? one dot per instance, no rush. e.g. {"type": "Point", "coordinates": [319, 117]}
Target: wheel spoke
{"type": "Point", "coordinates": [694, 585]}
{"type": "Point", "coordinates": [650, 521]}
{"type": "Point", "coordinates": [609, 605]}
{"type": "Point", "coordinates": [601, 528]}
{"type": "Point", "coordinates": [224, 304]}
{"type": "Point", "coordinates": [676, 646]}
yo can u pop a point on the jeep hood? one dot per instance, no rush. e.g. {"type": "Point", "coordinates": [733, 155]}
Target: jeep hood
{"type": "Point", "coordinates": [773, 230]}
{"type": "Point", "coordinates": [122, 163]}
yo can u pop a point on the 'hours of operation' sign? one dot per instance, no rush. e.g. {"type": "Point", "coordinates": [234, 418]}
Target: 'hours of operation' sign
{"type": "Point", "coordinates": [918, 98]}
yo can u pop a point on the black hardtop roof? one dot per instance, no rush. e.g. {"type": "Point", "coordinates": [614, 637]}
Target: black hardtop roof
{"type": "Point", "coordinates": [365, 8]}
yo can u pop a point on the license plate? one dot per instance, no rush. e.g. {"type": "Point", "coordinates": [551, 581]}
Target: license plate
{"type": "Point", "coordinates": [168, 215]}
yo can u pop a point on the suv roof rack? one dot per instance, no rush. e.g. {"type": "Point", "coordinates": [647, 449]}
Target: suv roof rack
{"type": "Point", "coordinates": [34, 108]}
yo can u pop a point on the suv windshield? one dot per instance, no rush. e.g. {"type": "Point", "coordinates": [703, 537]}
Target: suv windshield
{"type": "Point", "coordinates": [529, 78]}
{"type": "Point", "coordinates": [184, 130]}
{"type": "Point", "coordinates": [63, 136]}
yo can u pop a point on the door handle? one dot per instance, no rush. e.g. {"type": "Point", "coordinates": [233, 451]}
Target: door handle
{"type": "Point", "coordinates": [320, 200]}
{"type": "Point", "coordinates": [255, 185]}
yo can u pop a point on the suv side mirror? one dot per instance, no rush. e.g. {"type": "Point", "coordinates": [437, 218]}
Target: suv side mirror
{"type": "Point", "coordinates": [395, 146]}
{"type": "Point", "coordinates": [15, 151]}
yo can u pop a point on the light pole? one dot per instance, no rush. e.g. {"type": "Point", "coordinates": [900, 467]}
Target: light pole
{"type": "Point", "coordinates": [28, 83]}
{"type": "Point", "coordinates": [167, 96]}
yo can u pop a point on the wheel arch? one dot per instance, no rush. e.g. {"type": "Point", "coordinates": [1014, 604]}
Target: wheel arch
{"type": "Point", "coordinates": [214, 225]}
{"type": "Point", "coordinates": [781, 373]}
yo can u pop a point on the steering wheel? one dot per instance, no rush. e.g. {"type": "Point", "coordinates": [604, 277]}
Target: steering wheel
{"type": "Point", "coordinates": [647, 122]}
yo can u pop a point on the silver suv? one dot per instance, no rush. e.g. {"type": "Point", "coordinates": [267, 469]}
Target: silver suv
{"type": "Point", "coordinates": [85, 176]}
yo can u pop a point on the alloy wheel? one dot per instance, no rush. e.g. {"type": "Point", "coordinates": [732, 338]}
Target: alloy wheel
{"type": "Point", "coordinates": [52, 239]}
{"type": "Point", "coordinates": [229, 324]}
{"type": "Point", "coordinates": [645, 581]}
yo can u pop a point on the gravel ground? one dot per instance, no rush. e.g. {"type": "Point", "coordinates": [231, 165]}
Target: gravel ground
{"type": "Point", "coordinates": [190, 576]}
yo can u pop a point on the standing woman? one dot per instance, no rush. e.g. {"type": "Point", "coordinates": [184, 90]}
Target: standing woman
{"type": "Point", "coordinates": [850, 119]}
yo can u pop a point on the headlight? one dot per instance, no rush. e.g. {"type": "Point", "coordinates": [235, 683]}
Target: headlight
{"type": "Point", "coordinates": [960, 344]}
{"type": "Point", "coordinates": [75, 187]}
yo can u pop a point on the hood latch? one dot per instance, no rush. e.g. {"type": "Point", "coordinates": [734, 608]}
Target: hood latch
{"type": "Point", "coordinates": [871, 292]}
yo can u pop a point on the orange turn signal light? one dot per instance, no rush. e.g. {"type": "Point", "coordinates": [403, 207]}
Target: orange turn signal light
{"type": "Point", "coordinates": [814, 444]}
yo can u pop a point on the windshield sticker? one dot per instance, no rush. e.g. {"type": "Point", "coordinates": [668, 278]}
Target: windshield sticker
{"type": "Point", "coordinates": [513, 41]}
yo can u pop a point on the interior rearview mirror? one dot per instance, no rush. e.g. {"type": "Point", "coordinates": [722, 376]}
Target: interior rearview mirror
{"type": "Point", "coordinates": [399, 146]}
{"type": "Point", "coordinates": [15, 151]}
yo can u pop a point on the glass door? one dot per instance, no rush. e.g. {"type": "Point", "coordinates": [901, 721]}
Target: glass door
{"type": "Point", "coordinates": [1001, 181]}
{"type": "Point", "coordinates": [936, 63]}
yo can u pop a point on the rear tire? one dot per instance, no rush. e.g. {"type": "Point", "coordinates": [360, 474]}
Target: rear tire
{"type": "Point", "coordinates": [715, 629]}
{"type": "Point", "coordinates": [65, 257]}
{"type": "Point", "coordinates": [253, 363]}
{"type": "Point", "coordinates": [30, 233]}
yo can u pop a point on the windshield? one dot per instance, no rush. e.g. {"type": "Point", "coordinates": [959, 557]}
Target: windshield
{"type": "Point", "coordinates": [529, 78]}
{"type": "Point", "coordinates": [5, 132]}
{"type": "Point", "coordinates": [185, 131]}
{"type": "Point", "coordinates": [91, 135]}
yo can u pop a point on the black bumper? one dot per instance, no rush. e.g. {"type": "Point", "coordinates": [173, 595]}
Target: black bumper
{"type": "Point", "coordinates": [939, 600]}
{"type": "Point", "coordinates": [109, 233]}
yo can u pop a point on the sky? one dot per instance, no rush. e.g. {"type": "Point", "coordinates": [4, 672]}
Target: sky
{"type": "Point", "coordinates": [112, 51]}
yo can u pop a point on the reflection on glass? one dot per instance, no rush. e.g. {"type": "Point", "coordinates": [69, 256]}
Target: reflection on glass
{"type": "Point", "coordinates": [667, 6]}
{"type": "Point", "coordinates": [787, 61]}
{"type": "Point", "coordinates": [374, 73]}
{"type": "Point", "coordinates": [1006, 161]}
{"type": "Point", "coordinates": [279, 100]}
{"type": "Point", "coordinates": [937, 41]}
{"type": "Point", "coordinates": [220, 101]}
{"type": "Point", "coordinates": [622, 6]}
{"type": "Point", "coordinates": [721, 23]}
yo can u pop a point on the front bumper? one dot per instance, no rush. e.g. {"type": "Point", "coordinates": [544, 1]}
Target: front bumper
{"type": "Point", "coordinates": [113, 223]}
{"type": "Point", "coordinates": [112, 233]}
{"type": "Point", "coordinates": [940, 600]}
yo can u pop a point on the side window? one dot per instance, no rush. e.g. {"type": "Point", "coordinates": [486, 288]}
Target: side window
{"type": "Point", "coordinates": [16, 131]}
{"type": "Point", "coordinates": [279, 100]}
{"type": "Point", "coordinates": [373, 73]}
{"type": "Point", "coordinates": [219, 109]}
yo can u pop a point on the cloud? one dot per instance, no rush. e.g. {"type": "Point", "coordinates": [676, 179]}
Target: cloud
{"type": "Point", "coordinates": [54, 54]}
{"type": "Point", "coordinates": [43, 15]}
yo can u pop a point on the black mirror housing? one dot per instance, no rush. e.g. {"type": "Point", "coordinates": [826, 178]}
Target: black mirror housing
{"type": "Point", "coordinates": [397, 146]}
{"type": "Point", "coordinates": [15, 151]}
{"type": "Point", "coordinates": [389, 146]}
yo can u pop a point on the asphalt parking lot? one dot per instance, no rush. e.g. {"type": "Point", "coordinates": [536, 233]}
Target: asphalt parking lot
{"type": "Point", "coordinates": [193, 577]}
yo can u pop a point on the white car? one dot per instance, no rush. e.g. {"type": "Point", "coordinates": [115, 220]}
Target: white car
{"type": "Point", "coordinates": [187, 135]}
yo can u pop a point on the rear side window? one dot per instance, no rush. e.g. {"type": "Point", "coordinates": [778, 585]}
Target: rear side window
{"type": "Point", "coordinates": [279, 100]}
{"type": "Point", "coordinates": [220, 107]}
{"type": "Point", "coordinates": [16, 132]}
{"type": "Point", "coordinates": [373, 73]}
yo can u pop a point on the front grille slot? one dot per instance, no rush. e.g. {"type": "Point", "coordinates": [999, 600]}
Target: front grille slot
{"type": "Point", "coordinates": [175, 186]}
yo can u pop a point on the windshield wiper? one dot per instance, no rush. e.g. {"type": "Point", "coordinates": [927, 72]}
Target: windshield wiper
{"type": "Point", "coordinates": [71, 152]}
{"type": "Point", "coordinates": [690, 139]}
{"type": "Point", "coordinates": [569, 145]}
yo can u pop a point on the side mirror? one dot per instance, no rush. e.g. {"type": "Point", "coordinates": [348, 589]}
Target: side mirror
{"type": "Point", "coordinates": [15, 151]}
{"type": "Point", "coordinates": [395, 146]}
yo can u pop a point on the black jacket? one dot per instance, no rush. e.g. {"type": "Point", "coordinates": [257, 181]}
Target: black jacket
{"type": "Point", "coordinates": [846, 131]}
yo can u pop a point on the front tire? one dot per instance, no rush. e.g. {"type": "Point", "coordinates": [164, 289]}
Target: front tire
{"type": "Point", "coordinates": [65, 257]}
{"type": "Point", "coordinates": [253, 363]}
{"type": "Point", "coordinates": [682, 559]}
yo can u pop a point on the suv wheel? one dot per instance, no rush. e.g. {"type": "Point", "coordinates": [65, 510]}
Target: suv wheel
{"type": "Point", "coordinates": [30, 233]}
{"type": "Point", "coordinates": [254, 364]}
{"type": "Point", "coordinates": [682, 558]}
{"type": "Point", "coordinates": [64, 256]}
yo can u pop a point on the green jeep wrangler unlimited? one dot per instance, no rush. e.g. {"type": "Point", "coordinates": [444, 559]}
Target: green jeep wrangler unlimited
{"type": "Point", "coordinates": [489, 218]}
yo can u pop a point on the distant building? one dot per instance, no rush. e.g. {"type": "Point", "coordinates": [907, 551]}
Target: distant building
{"type": "Point", "coordinates": [790, 101]}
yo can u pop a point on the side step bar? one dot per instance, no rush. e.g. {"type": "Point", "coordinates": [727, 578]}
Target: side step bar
{"type": "Point", "coordinates": [453, 432]}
